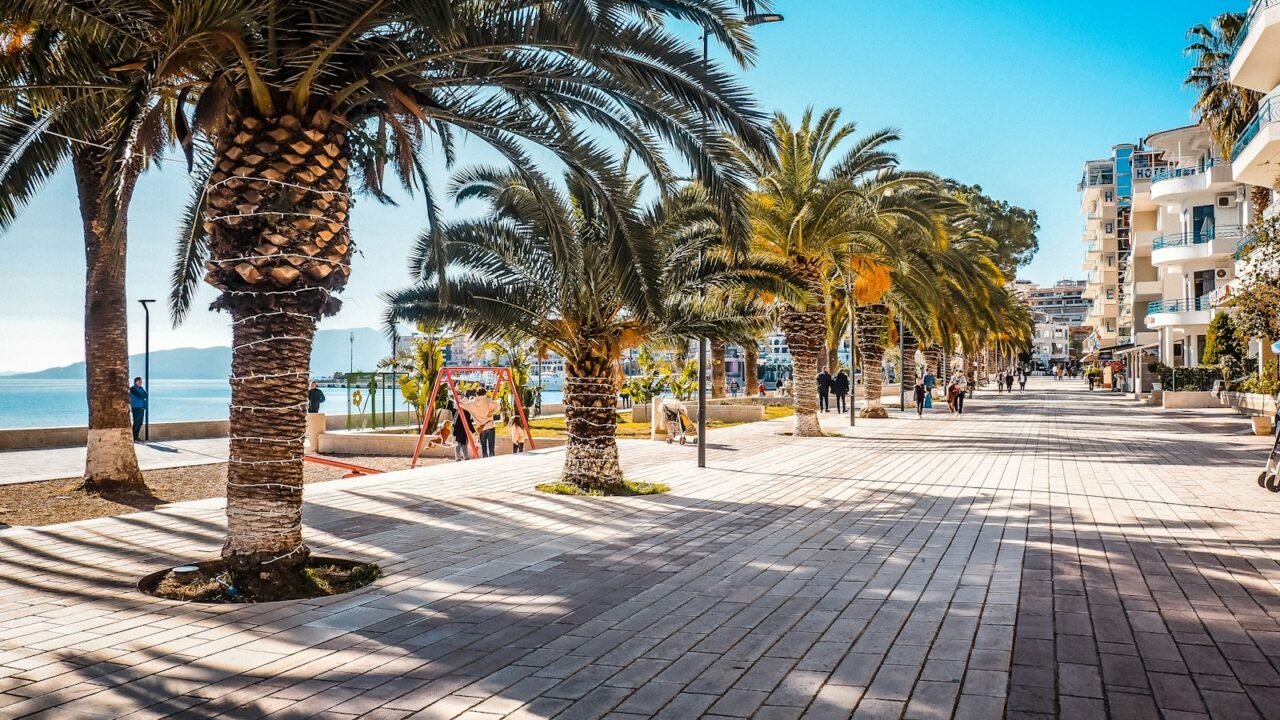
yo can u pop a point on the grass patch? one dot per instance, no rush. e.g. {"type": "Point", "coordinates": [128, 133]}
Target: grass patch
{"type": "Point", "coordinates": [628, 489]}
{"type": "Point", "coordinates": [211, 583]}
{"type": "Point", "coordinates": [553, 427]}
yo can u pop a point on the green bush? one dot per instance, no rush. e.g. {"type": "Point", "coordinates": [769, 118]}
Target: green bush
{"type": "Point", "coordinates": [1187, 378]}
{"type": "Point", "coordinates": [1266, 384]}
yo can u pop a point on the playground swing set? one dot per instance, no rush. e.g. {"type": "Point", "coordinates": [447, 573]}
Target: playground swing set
{"type": "Point", "coordinates": [449, 377]}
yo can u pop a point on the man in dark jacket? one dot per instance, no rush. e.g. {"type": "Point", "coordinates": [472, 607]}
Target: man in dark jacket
{"type": "Point", "coordinates": [840, 386]}
{"type": "Point", "coordinates": [315, 396]}
{"type": "Point", "coordinates": [138, 406]}
{"type": "Point", "coordinates": [824, 391]}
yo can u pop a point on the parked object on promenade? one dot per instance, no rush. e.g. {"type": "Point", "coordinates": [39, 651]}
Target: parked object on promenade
{"type": "Point", "coordinates": [679, 425]}
{"type": "Point", "coordinates": [1269, 478]}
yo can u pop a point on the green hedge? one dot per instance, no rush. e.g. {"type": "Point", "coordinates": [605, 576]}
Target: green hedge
{"type": "Point", "coordinates": [1188, 378]}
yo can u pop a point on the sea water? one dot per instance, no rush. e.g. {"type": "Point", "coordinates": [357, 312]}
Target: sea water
{"type": "Point", "coordinates": [28, 403]}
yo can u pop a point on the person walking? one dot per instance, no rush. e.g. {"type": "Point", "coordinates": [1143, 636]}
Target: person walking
{"type": "Point", "coordinates": [138, 407]}
{"type": "Point", "coordinates": [734, 388]}
{"type": "Point", "coordinates": [930, 382]}
{"type": "Point", "coordinates": [1022, 379]}
{"type": "Point", "coordinates": [484, 409]}
{"type": "Point", "coordinates": [952, 390]}
{"type": "Point", "coordinates": [919, 398]}
{"type": "Point", "coordinates": [1008, 379]}
{"type": "Point", "coordinates": [760, 389]}
{"type": "Point", "coordinates": [824, 391]}
{"type": "Point", "coordinates": [840, 386]}
{"type": "Point", "coordinates": [315, 396]}
{"type": "Point", "coordinates": [962, 389]}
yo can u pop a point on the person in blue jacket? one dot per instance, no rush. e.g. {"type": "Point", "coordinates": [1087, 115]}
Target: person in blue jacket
{"type": "Point", "coordinates": [138, 406]}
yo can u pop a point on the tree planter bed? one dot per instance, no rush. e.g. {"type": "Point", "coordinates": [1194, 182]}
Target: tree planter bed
{"type": "Point", "coordinates": [209, 582]}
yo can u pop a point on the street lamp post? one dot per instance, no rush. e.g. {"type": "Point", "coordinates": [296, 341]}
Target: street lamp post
{"type": "Point", "coordinates": [146, 367]}
{"type": "Point", "coordinates": [751, 20]}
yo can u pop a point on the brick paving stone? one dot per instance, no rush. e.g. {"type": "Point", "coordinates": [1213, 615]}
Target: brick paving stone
{"type": "Point", "coordinates": [1011, 561]}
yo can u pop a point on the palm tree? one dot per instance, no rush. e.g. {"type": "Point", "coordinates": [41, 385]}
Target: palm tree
{"type": "Point", "coordinates": [288, 103]}
{"type": "Point", "coordinates": [815, 211]}
{"type": "Point", "coordinates": [585, 276]}
{"type": "Point", "coordinates": [44, 128]}
{"type": "Point", "coordinates": [1224, 109]}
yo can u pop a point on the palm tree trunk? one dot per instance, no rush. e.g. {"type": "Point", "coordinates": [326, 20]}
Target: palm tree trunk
{"type": "Point", "coordinates": [591, 418]}
{"type": "Point", "coordinates": [110, 461]}
{"type": "Point", "coordinates": [873, 326]}
{"type": "Point", "coordinates": [751, 367]}
{"type": "Point", "coordinates": [933, 360]}
{"type": "Point", "coordinates": [806, 332]}
{"type": "Point", "coordinates": [717, 368]}
{"type": "Point", "coordinates": [909, 345]}
{"type": "Point", "coordinates": [278, 200]}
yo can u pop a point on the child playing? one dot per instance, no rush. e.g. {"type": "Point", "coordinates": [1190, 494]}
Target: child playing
{"type": "Point", "coordinates": [518, 435]}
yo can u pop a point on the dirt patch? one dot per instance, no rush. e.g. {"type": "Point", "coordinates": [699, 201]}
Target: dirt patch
{"type": "Point", "coordinates": [209, 582]}
{"type": "Point", "coordinates": [58, 501]}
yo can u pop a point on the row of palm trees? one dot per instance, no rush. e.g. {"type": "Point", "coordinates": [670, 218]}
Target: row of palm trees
{"type": "Point", "coordinates": [285, 112]}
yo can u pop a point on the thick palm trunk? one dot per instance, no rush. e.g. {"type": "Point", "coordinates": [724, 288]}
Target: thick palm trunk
{"type": "Point", "coordinates": [717, 368]}
{"type": "Point", "coordinates": [591, 419]}
{"type": "Point", "coordinates": [933, 361]}
{"type": "Point", "coordinates": [806, 332]}
{"type": "Point", "coordinates": [277, 210]}
{"type": "Point", "coordinates": [110, 461]}
{"type": "Point", "coordinates": [751, 367]}
{"type": "Point", "coordinates": [873, 327]}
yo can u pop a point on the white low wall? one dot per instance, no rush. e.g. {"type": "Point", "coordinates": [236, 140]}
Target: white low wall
{"type": "Point", "coordinates": [1250, 403]}
{"type": "Point", "coordinates": [35, 438]}
{"type": "Point", "coordinates": [1189, 400]}
{"type": "Point", "coordinates": [731, 413]}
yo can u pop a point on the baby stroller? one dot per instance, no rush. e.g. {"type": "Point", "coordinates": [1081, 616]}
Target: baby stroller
{"type": "Point", "coordinates": [679, 426]}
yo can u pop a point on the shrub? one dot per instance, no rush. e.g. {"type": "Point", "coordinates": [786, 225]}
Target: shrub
{"type": "Point", "coordinates": [1266, 384]}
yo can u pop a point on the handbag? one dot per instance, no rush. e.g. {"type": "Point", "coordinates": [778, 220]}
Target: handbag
{"type": "Point", "coordinates": [928, 401]}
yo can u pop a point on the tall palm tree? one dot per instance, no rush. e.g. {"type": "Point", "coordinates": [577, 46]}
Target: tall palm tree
{"type": "Point", "coordinates": [811, 208]}
{"type": "Point", "coordinates": [585, 276]}
{"type": "Point", "coordinates": [1224, 109]}
{"type": "Point", "coordinates": [288, 103]}
{"type": "Point", "coordinates": [45, 128]}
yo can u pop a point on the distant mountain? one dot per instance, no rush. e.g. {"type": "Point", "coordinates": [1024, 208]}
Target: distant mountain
{"type": "Point", "coordinates": [332, 352]}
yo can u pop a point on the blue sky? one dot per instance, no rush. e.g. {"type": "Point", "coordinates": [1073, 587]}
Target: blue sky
{"type": "Point", "coordinates": [1013, 96]}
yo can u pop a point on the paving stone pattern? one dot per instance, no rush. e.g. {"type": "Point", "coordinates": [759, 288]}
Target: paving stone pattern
{"type": "Point", "coordinates": [1053, 553]}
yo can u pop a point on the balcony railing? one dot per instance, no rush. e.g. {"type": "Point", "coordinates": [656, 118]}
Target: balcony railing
{"type": "Point", "coordinates": [1204, 302]}
{"type": "Point", "coordinates": [1255, 9]}
{"type": "Point", "coordinates": [1245, 242]}
{"type": "Point", "coordinates": [1173, 173]}
{"type": "Point", "coordinates": [1198, 238]}
{"type": "Point", "coordinates": [1268, 112]}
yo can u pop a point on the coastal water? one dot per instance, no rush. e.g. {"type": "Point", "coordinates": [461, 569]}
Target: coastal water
{"type": "Point", "coordinates": [59, 403]}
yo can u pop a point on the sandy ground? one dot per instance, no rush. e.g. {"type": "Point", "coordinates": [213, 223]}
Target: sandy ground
{"type": "Point", "coordinates": [57, 501]}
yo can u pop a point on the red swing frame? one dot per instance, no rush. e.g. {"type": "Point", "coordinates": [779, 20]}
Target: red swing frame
{"type": "Point", "coordinates": [447, 377]}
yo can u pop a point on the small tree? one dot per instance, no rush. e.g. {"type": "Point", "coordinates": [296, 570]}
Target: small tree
{"type": "Point", "coordinates": [421, 366]}
{"type": "Point", "coordinates": [1257, 304]}
{"type": "Point", "coordinates": [1222, 340]}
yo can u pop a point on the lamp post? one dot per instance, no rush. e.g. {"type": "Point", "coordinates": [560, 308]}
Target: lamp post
{"type": "Point", "coordinates": [146, 367]}
{"type": "Point", "coordinates": [852, 302]}
{"type": "Point", "coordinates": [751, 20]}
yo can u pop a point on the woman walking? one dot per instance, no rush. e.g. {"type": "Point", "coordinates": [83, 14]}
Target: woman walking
{"type": "Point", "coordinates": [919, 390]}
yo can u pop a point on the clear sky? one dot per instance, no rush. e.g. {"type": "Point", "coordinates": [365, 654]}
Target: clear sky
{"type": "Point", "coordinates": [1011, 95]}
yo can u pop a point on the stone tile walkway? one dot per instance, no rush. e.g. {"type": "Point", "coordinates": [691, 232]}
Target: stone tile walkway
{"type": "Point", "coordinates": [21, 466]}
{"type": "Point", "coordinates": [1055, 553]}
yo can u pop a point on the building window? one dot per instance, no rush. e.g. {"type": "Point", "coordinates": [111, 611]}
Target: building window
{"type": "Point", "coordinates": [1111, 293]}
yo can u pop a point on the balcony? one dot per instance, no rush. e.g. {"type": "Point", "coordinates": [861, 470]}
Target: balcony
{"type": "Point", "coordinates": [1178, 313]}
{"type": "Point", "coordinates": [1148, 289]}
{"type": "Point", "coordinates": [1245, 242]}
{"type": "Point", "coordinates": [1195, 246]}
{"type": "Point", "coordinates": [1255, 60]}
{"type": "Point", "coordinates": [1176, 183]}
{"type": "Point", "coordinates": [1258, 148]}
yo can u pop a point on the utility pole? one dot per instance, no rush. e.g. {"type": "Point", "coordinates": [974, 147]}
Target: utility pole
{"type": "Point", "coordinates": [146, 368]}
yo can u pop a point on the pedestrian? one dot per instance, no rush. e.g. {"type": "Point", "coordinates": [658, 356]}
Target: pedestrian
{"type": "Point", "coordinates": [840, 386]}
{"type": "Point", "coordinates": [518, 435]}
{"type": "Point", "coordinates": [824, 391]}
{"type": "Point", "coordinates": [315, 396]}
{"type": "Point", "coordinates": [760, 389]}
{"type": "Point", "coordinates": [138, 407]}
{"type": "Point", "coordinates": [1091, 379]}
{"type": "Point", "coordinates": [952, 391]}
{"type": "Point", "coordinates": [930, 382]}
{"type": "Point", "coordinates": [484, 409]}
{"type": "Point", "coordinates": [734, 388]}
{"type": "Point", "coordinates": [963, 387]}
{"type": "Point", "coordinates": [625, 394]}
{"type": "Point", "coordinates": [462, 423]}
{"type": "Point", "coordinates": [1058, 374]}
{"type": "Point", "coordinates": [968, 385]}
{"type": "Point", "coordinates": [919, 398]}
{"type": "Point", "coordinates": [1008, 379]}
{"type": "Point", "coordinates": [1022, 379]}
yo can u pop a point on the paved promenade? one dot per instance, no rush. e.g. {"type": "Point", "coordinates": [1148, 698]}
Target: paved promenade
{"type": "Point", "coordinates": [20, 466]}
{"type": "Point", "coordinates": [1055, 553]}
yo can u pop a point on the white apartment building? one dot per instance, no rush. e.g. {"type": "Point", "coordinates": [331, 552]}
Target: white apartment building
{"type": "Point", "coordinates": [1201, 216]}
{"type": "Point", "coordinates": [1051, 344]}
{"type": "Point", "coordinates": [1120, 227]}
{"type": "Point", "coordinates": [1063, 301]}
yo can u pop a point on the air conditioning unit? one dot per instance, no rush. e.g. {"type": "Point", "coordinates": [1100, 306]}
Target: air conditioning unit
{"type": "Point", "coordinates": [1227, 201]}
{"type": "Point", "coordinates": [1220, 273]}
